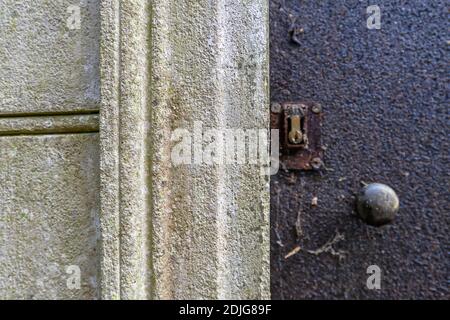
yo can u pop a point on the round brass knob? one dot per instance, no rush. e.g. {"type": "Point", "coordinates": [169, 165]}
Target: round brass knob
{"type": "Point", "coordinates": [377, 204]}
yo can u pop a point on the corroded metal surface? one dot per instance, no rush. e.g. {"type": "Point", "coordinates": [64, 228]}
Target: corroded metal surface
{"type": "Point", "coordinates": [386, 119]}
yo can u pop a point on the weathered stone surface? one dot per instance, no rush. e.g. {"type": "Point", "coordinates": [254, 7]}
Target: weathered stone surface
{"type": "Point", "coordinates": [45, 65]}
{"type": "Point", "coordinates": [203, 232]}
{"type": "Point", "coordinates": [167, 231]}
{"type": "Point", "coordinates": [210, 223]}
{"type": "Point", "coordinates": [48, 215]}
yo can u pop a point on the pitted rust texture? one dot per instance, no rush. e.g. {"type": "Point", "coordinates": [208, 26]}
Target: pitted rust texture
{"type": "Point", "coordinates": [308, 153]}
{"type": "Point", "coordinates": [386, 118]}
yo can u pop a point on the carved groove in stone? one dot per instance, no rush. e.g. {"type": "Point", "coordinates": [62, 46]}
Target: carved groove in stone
{"type": "Point", "coordinates": [49, 124]}
{"type": "Point", "coordinates": [181, 232]}
{"type": "Point", "coordinates": [123, 149]}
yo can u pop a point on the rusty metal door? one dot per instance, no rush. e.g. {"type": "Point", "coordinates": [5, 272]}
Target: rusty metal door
{"type": "Point", "coordinates": [385, 119]}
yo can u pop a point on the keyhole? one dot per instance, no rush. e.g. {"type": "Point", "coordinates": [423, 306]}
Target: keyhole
{"type": "Point", "coordinates": [295, 131]}
{"type": "Point", "coordinates": [295, 136]}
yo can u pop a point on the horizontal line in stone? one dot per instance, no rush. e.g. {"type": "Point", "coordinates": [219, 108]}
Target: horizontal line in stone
{"type": "Point", "coordinates": [49, 113]}
{"type": "Point", "coordinates": [49, 124]}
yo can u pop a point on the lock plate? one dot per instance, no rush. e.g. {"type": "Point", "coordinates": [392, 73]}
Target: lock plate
{"type": "Point", "coordinates": [299, 125]}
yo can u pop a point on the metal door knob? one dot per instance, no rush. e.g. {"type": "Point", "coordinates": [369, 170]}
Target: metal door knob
{"type": "Point", "coordinates": [377, 204]}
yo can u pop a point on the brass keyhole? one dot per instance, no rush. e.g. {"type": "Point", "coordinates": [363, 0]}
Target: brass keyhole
{"type": "Point", "coordinates": [295, 133]}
